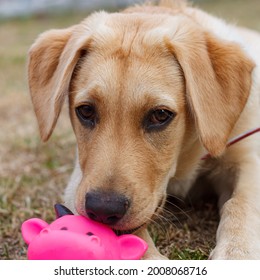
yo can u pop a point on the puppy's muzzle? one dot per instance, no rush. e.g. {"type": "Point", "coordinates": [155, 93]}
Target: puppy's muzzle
{"type": "Point", "coordinates": [106, 207]}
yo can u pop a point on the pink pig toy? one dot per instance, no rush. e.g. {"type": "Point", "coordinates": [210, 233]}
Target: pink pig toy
{"type": "Point", "coordinates": [72, 237]}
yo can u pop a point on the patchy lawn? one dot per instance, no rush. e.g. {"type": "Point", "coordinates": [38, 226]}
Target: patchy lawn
{"type": "Point", "coordinates": [33, 175]}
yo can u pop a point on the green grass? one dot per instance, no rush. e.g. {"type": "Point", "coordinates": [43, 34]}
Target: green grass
{"type": "Point", "coordinates": [241, 12]}
{"type": "Point", "coordinates": [33, 175]}
{"type": "Point", "coordinates": [188, 254]}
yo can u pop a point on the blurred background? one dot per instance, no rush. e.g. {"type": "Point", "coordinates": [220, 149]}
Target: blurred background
{"type": "Point", "coordinates": [32, 174]}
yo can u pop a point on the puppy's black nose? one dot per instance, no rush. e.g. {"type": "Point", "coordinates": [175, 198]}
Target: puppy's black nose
{"type": "Point", "coordinates": [106, 207]}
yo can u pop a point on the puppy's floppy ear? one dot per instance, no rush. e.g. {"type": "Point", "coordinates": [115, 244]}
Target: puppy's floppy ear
{"type": "Point", "coordinates": [52, 59]}
{"type": "Point", "coordinates": [218, 80]}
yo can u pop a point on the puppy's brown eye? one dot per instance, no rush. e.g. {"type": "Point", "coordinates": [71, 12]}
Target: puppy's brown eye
{"type": "Point", "coordinates": [87, 115]}
{"type": "Point", "coordinates": [158, 119]}
{"type": "Point", "coordinates": [160, 116]}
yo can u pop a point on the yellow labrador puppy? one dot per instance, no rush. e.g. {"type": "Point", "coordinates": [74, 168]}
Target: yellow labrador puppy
{"type": "Point", "coordinates": [150, 91]}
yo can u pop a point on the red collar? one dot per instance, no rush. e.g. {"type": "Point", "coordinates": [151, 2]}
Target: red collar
{"type": "Point", "coordinates": [236, 139]}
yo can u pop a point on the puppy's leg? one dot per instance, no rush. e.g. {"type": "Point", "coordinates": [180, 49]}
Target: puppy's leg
{"type": "Point", "coordinates": [152, 253]}
{"type": "Point", "coordinates": [238, 235]}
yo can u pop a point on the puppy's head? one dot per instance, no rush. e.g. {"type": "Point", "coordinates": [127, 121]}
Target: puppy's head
{"type": "Point", "coordinates": [141, 90]}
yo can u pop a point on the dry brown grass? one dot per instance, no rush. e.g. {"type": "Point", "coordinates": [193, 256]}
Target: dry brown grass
{"type": "Point", "coordinates": [33, 175]}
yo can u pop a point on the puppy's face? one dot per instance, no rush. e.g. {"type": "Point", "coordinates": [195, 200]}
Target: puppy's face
{"type": "Point", "coordinates": [142, 88]}
{"type": "Point", "coordinates": [128, 112]}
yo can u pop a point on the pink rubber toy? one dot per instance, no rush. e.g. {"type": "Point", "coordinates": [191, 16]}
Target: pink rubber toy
{"type": "Point", "coordinates": [72, 237]}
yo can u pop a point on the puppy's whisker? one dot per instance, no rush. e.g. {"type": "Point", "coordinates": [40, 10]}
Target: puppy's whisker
{"type": "Point", "coordinates": [168, 217]}
{"type": "Point", "coordinates": [179, 208]}
{"type": "Point", "coordinates": [159, 226]}
{"type": "Point", "coordinates": [176, 197]}
{"type": "Point", "coordinates": [162, 218]}
{"type": "Point", "coordinates": [164, 224]}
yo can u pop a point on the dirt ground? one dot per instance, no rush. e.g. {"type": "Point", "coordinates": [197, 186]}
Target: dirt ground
{"type": "Point", "coordinates": [33, 175]}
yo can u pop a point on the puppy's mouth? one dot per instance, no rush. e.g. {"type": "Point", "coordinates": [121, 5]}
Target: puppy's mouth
{"type": "Point", "coordinates": [129, 231]}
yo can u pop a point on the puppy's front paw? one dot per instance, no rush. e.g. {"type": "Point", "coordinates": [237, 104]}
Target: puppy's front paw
{"type": "Point", "coordinates": [152, 253]}
{"type": "Point", "coordinates": [230, 251]}
{"type": "Point", "coordinates": [154, 256]}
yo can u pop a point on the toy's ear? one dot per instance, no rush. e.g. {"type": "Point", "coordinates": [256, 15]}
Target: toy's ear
{"type": "Point", "coordinates": [132, 247]}
{"type": "Point", "coordinates": [32, 228]}
{"type": "Point", "coordinates": [61, 210]}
